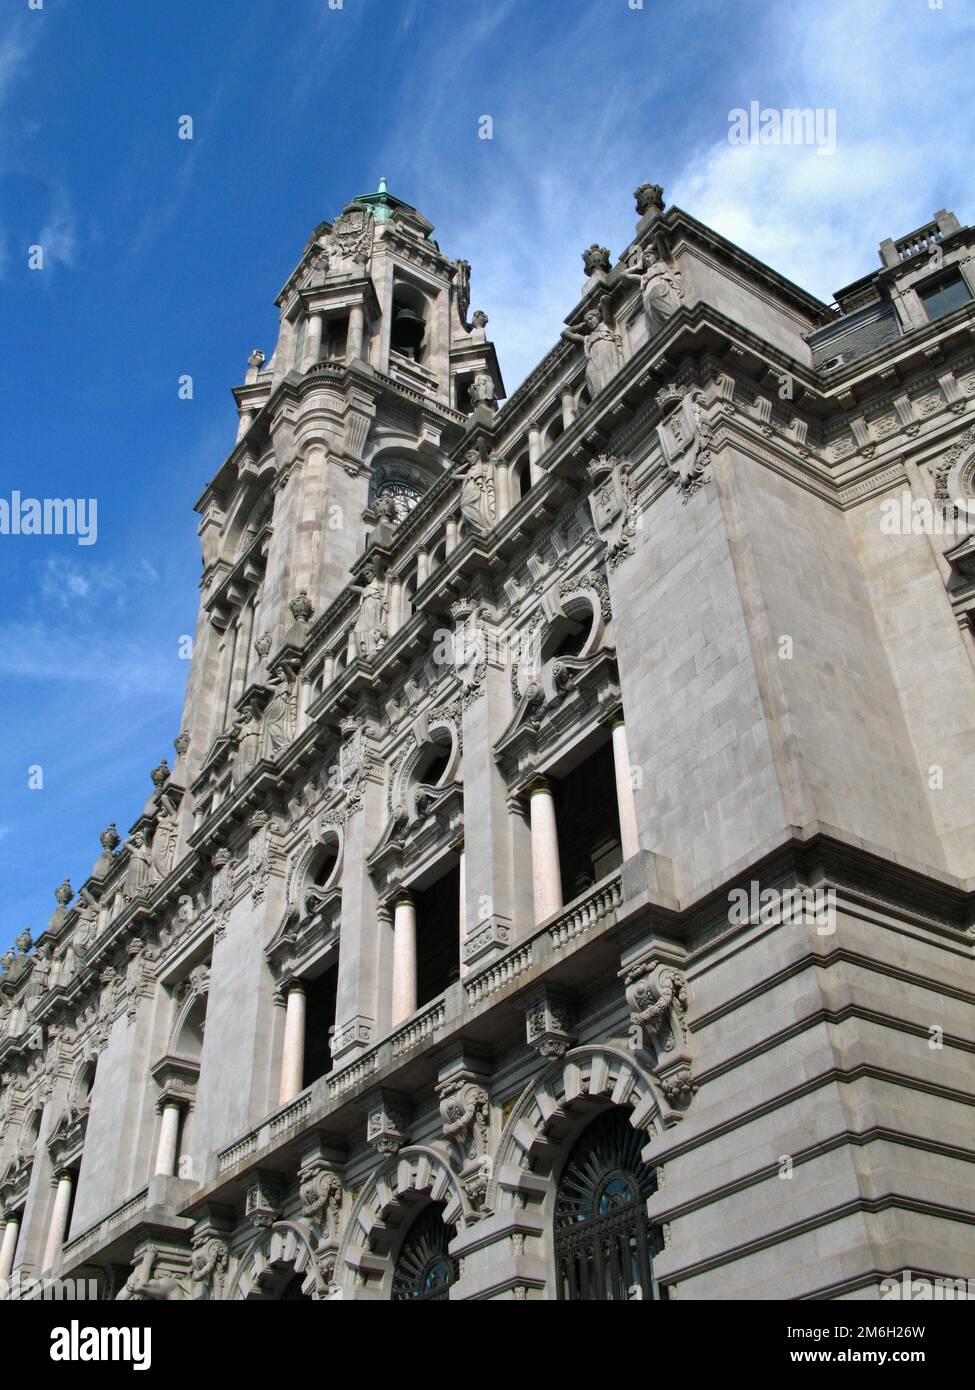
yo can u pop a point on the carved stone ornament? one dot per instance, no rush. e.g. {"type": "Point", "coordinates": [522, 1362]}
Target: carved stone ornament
{"type": "Point", "coordinates": [221, 892]}
{"type": "Point", "coordinates": [954, 475]}
{"type": "Point", "coordinates": [613, 507]}
{"type": "Point", "coordinates": [387, 1128]}
{"type": "Point", "coordinates": [465, 1116]}
{"type": "Point", "coordinates": [548, 1024]}
{"type": "Point", "coordinates": [259, 854]}
{"type": "Point", "coordinates": [263, 1203]}
{"type": "Point", "coordinates": [469, 649]}
{"type": "Point", "coordinates": [596, 258]}
{"type": "Point", "coordinates": [657, 996]}
{"type": "Point", "coordinates": [301, 607]}
{"type": "Point", "coordinates": [321, 1200]}
{"type": "Point", "coordinates": [208, 1265]}
{"type": "Point", "coordinates": [685, 437]}
{"type": "Point", "coordinates": [649, 198]}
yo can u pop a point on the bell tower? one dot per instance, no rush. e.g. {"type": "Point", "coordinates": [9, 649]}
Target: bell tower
{"type": "Point", "coordinates": [378, 365]}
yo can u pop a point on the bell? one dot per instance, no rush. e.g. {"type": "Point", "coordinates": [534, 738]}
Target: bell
{"type": "Point", "coordinates": [408, 330]}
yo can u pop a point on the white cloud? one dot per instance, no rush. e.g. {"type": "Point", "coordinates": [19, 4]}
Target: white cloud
{"type": "Point", "coordinates": [575, 132]}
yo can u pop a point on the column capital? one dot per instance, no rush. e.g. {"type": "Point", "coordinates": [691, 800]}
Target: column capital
{"type": "Point", "coordinates": [403, 898]}
{"type": "Point", "coordinates": [538, 783]}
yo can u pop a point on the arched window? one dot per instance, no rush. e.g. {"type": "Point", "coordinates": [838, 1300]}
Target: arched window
{"type": "Point", "coordinates": [425, 1269]}
{"type": "Point", "coordinates": [604, 1242]}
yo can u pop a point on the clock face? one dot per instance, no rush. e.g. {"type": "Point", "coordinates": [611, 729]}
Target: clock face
{"type": "Point", "coordinates": [403, 496]}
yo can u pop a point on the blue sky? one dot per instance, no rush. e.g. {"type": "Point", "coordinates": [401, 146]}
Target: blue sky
{"type": "Point", "coordinates": [163, 257]}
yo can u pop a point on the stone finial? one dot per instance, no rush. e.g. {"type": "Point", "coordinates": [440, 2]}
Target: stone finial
{"type": "Point", "coordinates": [110, 839]}
{"type": "Point", "coordinates": [64, 893]}
{"type": "Point", "coordinates": [480, 319]}
{"type": "Point", "coordinates": [7, 960]}
{"type": "Point", "coordinates": [181, 743]}
{"type": "Point", "coordinates": [24, 941]}
{"type": "Point", "coordinates": [160, 775]}
{"type": "Point", "coordinates": [263, 645]}
{"type": "Point", "coordinates": [596, 258]}
{"type": "Point", "coordinates": [649, 198]}
{"type": "Point", "coordinates": [256, 360]}
{"type": "Point", "coordinates": [301, 607]}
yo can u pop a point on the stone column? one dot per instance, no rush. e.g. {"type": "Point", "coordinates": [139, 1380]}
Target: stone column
{"type": "Point", "coordinates": [395, 620]}
{"type": "Point", "coordinates": [404, 959]}
{"type": "Point", "coordinates": [293, 1059]}
{"type": "Point", "coordinates": [313, 341]}
{"type": "Point", "coordinates": [244, 423]}
{"type": "Point", "coordinates": [534, 454]}
{"type": "Point", "coordinates": [625, 803]}
{"type": "Point", "coordinates": [568, 408]}
{"type": "Point", "coordinates": [353, 350]}
{"type": "Point", "coordinates": [58, 1228]}
{"type": "Point", "coordinates": [546, 872]}
{"type": "Point", "coordinates": [462, 910]}
{"type": "Point", "coordinates": [8, 1249]}
{"type": "Point", "coordinates": [422, 567]}
{"type": "Point", "coordinates": [453, 534]}
{"type": "Point", "coordinates": [168, 1150]}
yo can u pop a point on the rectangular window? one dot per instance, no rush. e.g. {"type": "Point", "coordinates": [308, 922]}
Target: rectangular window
{"type": "Point", "coordinates": [945, 295]}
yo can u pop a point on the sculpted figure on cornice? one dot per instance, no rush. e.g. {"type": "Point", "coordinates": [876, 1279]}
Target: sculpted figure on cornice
{"type": "Point", "coordinates": [602, 346]}
{"type": "Point", "coordinates": [164, 840]}
{"type": "Point", "coordinates": [138, 874]}
{"type": "Point", "coordinates": [371, 620]}
{"type": "Point", "coordinates": [384, 531]}
{"type": "Point", "coordinates": [281, 714]}
{"type": "Point", "coordinates": [661, 286]}
{"type": "Point", "coordinates": [478, 504]}
{"type": "Point", "coordinates": [247, 737]}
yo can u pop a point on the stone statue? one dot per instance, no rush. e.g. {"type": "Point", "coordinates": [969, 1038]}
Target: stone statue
{"type": "Point", "coordinates": [247, 733]}
{"type": "Point", "coordinates": [208, 1266]}
{"type": "Point", "coordinates": [482, 390]}
{"type": "Point", "coordinates": [141, 1286]}
{"type": "Point", "coordinates": [279, 717]}
{"type": "Point", "coordinates": [477, 498]}
{"type": "Point", "coordinates": [139, 874]}
{"type": "Point", "coordinates": [385, 528]}
{"type": "Point", "coordinates": [603, 349]}
{"type": "Point", "coordinates": [661, 286]}
{"type": "Point", "coordinates": [370, 624]}
{"type": "Point", "coordinates": [480, 319]}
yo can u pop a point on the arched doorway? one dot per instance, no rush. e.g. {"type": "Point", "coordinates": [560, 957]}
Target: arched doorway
{"type": "Point", "coordinates": [604, 1242]}
{"type": "Point", "coordinates": [425, 1269]}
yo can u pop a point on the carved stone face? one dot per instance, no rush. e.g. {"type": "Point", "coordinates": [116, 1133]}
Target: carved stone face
{"type": "Point", "coordinates": [592, 319]}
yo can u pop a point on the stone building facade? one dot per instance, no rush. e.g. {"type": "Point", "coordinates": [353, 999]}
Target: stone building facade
{"type": "Point", "coordinates": [563, 884]}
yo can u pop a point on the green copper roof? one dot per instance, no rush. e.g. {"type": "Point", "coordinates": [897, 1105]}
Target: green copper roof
{"type": "Point", "coordinates": [382, 202]}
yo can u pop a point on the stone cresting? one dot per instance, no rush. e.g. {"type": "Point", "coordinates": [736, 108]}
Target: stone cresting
{"type": "Point", "coordinates": [441, 873]}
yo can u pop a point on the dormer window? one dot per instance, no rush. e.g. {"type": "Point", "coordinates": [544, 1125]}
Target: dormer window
{"type": "Point", "coordinates": [944, 295]}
